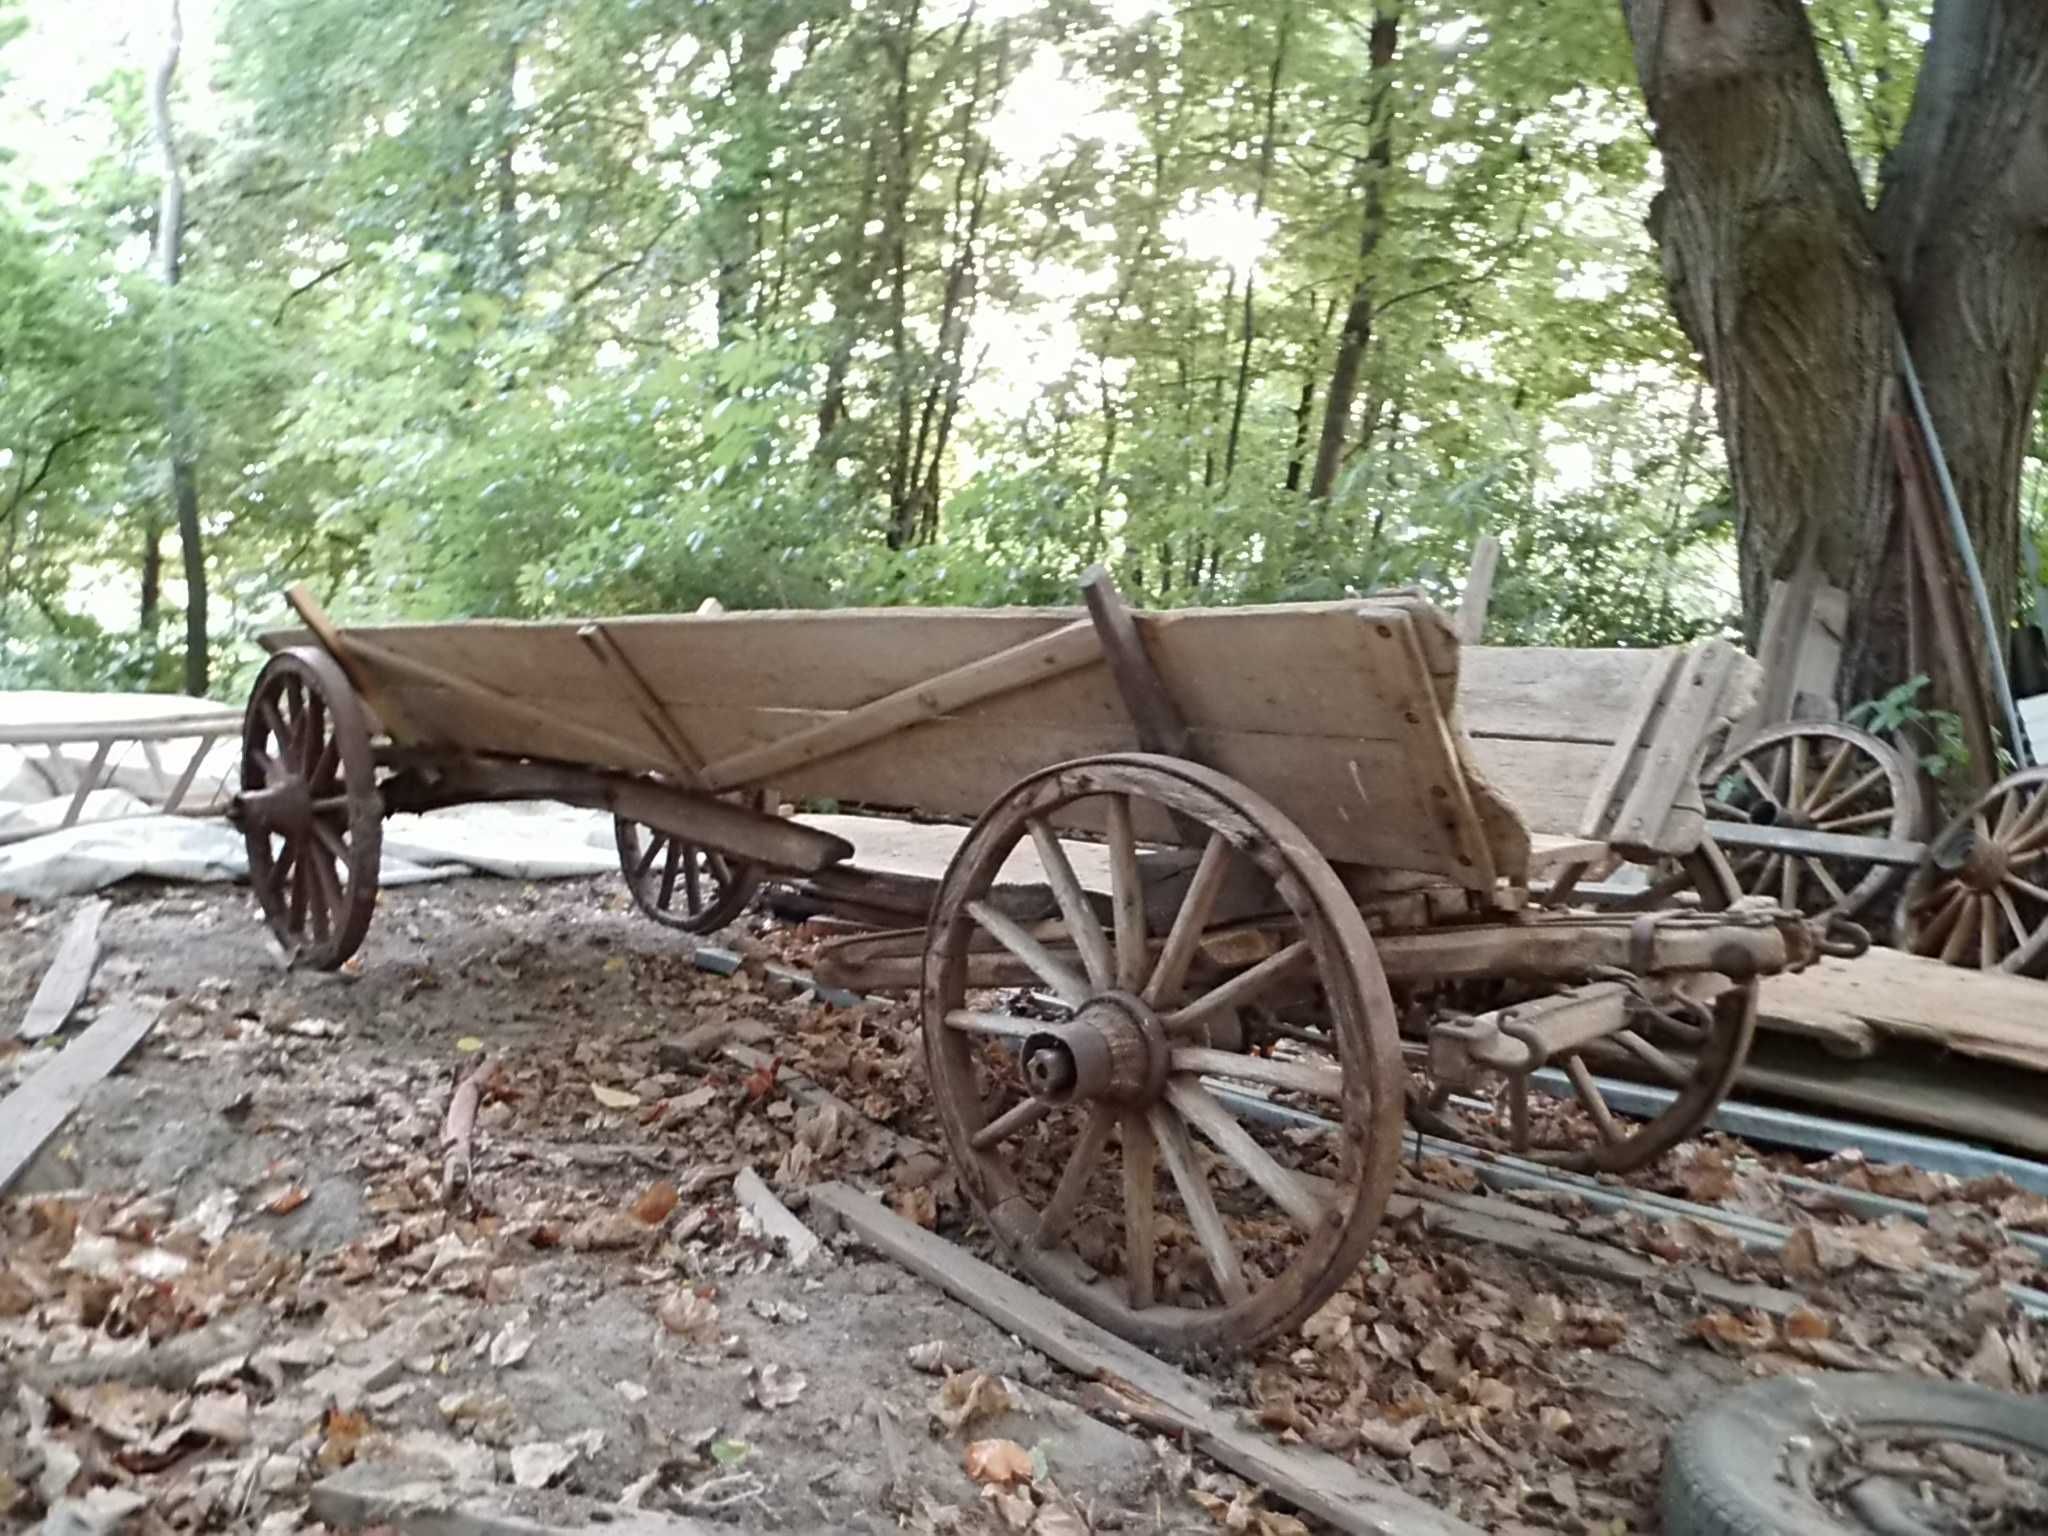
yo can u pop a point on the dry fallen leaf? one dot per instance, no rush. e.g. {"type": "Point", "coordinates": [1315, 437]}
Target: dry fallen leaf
{"type": "Point", "coordinates": [1432, 1456]}
{"type": "Point", "coordinates": [1813, 1252]}
{"type": "Point", "coordinates": [968, 1396]}
{"type": "Point", "coordinates": [655, 1203]}
{"type": "Point", "coordinates": [614, 1098]}
{"type": "Point", "coordinates": [1732, 1335]}
{"type": "Point", "coordinates": [344, 1432]}
{"type": "Point", "coordinates": [998, 1461]}
{"type": "Point", "coordinates": [1394, 1438]}
{"type": "Point", "coordinates": [1894, 1243]}
{"type": "Point", "coordinates": [538, 1464]}
{"type": "Point", "coordinates": [776, 1386]}
{"type": "Point", "coordinates": [285, 1199]}
{"type": "Point", "coordinates": [1805, 1323]}
{"type": "Point", "coordinates": [1991, 1365]}
{"type": "Point", "coordinates": [607, 1229]}
{"type": "Point", "coordinates": [693, 1316]}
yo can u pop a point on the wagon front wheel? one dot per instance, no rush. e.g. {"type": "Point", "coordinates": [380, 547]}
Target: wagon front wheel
{"type": "Point", "coordinates": [1190, 1134]}
{"type": "Point", "coordinates": [309, 809]}
{"type": "Point", "coordinates": [681, 884]}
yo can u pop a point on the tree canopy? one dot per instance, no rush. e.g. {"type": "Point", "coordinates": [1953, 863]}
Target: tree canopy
{"type": "Point", "coordinates": [503, 308]}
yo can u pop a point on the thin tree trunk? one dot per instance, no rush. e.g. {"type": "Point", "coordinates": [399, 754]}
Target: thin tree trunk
{"type": "Point", "coordinates": [183, 477]}
{"type": "Point", "coordinates": [896, 244]}
{"type": "Point", "coordinates": [1268, 141]}
{"type": "Point", "coordinates": [506, 177]}
{"type": "Point", "coordinates": [149, 620]}
{"type": "Point", "coordinates": [849, 309]}
{"type": "Point", "coordinates": [1357, 332]}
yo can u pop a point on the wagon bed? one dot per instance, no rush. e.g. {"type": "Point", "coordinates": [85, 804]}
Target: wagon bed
{"type": "Point", "coordinates": [1326, 831]}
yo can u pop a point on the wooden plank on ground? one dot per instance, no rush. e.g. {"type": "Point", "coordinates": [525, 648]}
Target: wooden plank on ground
{"type": "Point", "coordinates": [1330, 1489]}
{"type": "Point", "coordinates": [31, 1114]}
{"type": "Point", "coordinates": [65, 983]}
{"type": "Point", "coordinates": [776, 1219]}
{"type": "Point", "coordinates": [387, 1495]}
{"type": "Point", "coordinates": [1986, 1014]}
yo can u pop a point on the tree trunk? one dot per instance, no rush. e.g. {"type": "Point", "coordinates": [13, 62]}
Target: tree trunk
{"type": "Point", "coordinates": [183, 478]}
{"type": "Point", "coordinates": [149, 615]}
{"type": "Point", "coordinates": [1357, 333]}
{"type": "Point", "coordinates": [1791, 286]}
{"type": "Point", "coordinates": [1268, 142]}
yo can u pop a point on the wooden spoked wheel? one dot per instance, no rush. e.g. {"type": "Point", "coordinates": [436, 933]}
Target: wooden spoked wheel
{"type": "Point", "coordinates": [1814, 776]}
{"type": "Point", "coordinates": [681, 884]}
{"type": "Point", "coordinates": [1114, 1133]}
{"type": "Point", "coordinates": [1694, 1051]}
{"type": "Point", "coordinates": [309, 808]}
{"type": "Point", "coordinates": [1980, 897]}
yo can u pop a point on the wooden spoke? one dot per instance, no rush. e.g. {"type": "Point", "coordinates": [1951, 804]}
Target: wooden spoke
{"type": "Point", "coordinates": [1301, 1076]}
{"type": "Point", "coordinates": [1951, 909]}
{"type": "Point", "coordinates": [1964, 931]}
{"type": "Point", "coordinates": [327, 765]}
{"type": "Point", "coordinates": [693, 878]}
{"type": "Point", "coordinates": [1141, 1210]}
{"type": "Point", "coordinates": [1178, 1153]}
{"type": "Point", "coordinates": [1987, 934]}
{"type": "Point", "coordinates": [1127, 897]}
{"type": "Point", "coordinates": [1821, 813]}
{"type": "Point", "coordinates": [1795, 779]}
{"type": "Point", "coordinates": [2029, 951]}
{"type": "Point", "coordinates": [1044, 964]}
{"type": "Point", "coordinates": [1665, 1066]}
{"type": "Point", "coordinates": [1227, 1135]}
{"type": "Point", "coordinates": [2032, 827]}
{"type": "Point", "coordinates": [2009, 910]}
{"type": "Point", "coordinates": [1857, 822]}
{"type": "Point", "coordinates": [647, 857]}
{"type": "Point", "coordinates": [1007, 1025]}
{"type": "Point", "coordinates": [2027, 887]}
{"type": "Point", "coordinates": [273, 723]}
{"type": "Point", "coordinates": [1518, 1111]}
{"type": "Point", "coordinates": [1826, 781]}
{"type": "Point", "coordinates": [302, 886]}
{"type": "Point", "coordinates": [2008, 808]}
{"type": "Point", "coordinates": [1083, 926]}
{"type": "Point", "coordinates": [1763, 785]}
{"type": "Point", "coordinates": [1081, 1163]}
{"type": "Point", "coordinates": [1788, 885]}
{"type": "Point", "coordinates": [1590, 1096]}
{"type": "Point", "coordinates": [1239, 991]}
{"type": "Point", "coordinates": [1189, 922]}
{"type": "Point", "coordinates": [1828, 882]}
{"type": "Point", "coordinates": [1019, 1116]}
{"type": "Point", "coordinates": [329, 839]}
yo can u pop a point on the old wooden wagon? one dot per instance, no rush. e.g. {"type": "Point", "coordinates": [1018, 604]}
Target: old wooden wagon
{"type": "Point", "coordinates": [1288, 861]}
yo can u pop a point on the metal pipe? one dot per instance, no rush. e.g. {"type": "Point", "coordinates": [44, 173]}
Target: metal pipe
{"type": "Point", "coordinates": [2015, 728]}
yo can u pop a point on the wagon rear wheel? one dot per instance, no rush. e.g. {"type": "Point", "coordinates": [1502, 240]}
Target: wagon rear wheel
{"type": "Point", "coordinates": [1694, 1051]}
{"type": "Point", "coordinates": [1132, 1155]}
{"type": "Point", "coordinates": [1815, 776]}
{"type": "Point", "coordinates": [309, 808]}
{"type": "Point", "coordinates": [682, 884]}
{"type": "Point", "coordinates": [1980, 897]}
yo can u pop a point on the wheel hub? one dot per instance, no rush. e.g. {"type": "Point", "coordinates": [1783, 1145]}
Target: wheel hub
{"type": "Point", "coordinates": [1986, 867]}
{"type": "Point", "coordinates": [285, 806]}
{"type": "Point", "coordinates": [1115, 1048]}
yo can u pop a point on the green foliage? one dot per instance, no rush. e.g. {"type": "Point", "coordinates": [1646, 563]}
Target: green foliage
{"type": "Point", "coordinates": [1933, 736]}
{"type": "Point", "coordinates": [504, 308]}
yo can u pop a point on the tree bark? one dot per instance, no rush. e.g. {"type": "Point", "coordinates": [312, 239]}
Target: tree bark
{"type": "Point", "coordinates": [184, 477]}
{"type": "Point", "coordinates": [1790, 285]}
{"type": "Point", "coordinates": [1268, 142]}
{"type": "Point", "coordinates": [1357, 332]}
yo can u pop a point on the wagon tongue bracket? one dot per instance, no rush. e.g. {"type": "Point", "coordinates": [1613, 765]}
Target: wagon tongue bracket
{"type": "Point", "coordinates": [1115, 1048]}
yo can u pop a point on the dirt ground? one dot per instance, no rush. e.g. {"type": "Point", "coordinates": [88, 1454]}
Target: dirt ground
{"type": "Point", "coordinates": [234, 1274]}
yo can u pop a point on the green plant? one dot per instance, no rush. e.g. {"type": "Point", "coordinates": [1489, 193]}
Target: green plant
{"type": "Point", "coordinates": [1934, 736]}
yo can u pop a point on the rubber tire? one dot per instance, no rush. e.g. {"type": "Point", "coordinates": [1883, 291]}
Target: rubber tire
{"type": "Point", "coordinates": [1727, 1471]}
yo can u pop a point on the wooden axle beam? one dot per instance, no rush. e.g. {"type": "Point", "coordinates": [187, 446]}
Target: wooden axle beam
{"type": "Point", "coordinates": [429, 782]}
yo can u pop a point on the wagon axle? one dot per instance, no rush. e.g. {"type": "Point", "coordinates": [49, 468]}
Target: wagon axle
{"type": "Point", "coordinates": [1115, 1048]}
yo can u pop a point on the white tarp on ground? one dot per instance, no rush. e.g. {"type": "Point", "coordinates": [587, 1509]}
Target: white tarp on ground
{"type": "Point", "coordinates": [120, 835]}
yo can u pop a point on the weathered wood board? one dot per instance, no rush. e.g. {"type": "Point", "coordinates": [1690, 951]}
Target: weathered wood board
{"type": "Point", "coordinates": [31, 1114]}
{"type": "Point", "coordinates": [69, 976]}
{"type": "Point", "coordinates": [1988, 1015]}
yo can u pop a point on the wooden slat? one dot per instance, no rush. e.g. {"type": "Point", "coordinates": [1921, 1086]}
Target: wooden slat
{"type": "Point", "coordinates": [1478, 592]}
{"type": "Point", "coordinates": [1324, 1486]}
{"type": "Point", "coordinates": [1986, 1014]}
{"type": "Point", "coordinates": [383, 1496]}
{"type": "Point", "coordinates": [31, 1114]}
{"type": "Point", "coordinates": [1395, 667]}
{"type": "Point", "coordinates": [1827, 845]}
{"type": "Point", "coordinates": [1617, 766]}
{"type": "Point", "coordinates": [69, 976]}
{"type": "Point", "coordinates": [1064, 650]}
{"type": "Point", "coordinates": [36, 733]}
{"type": "Point", "coordinates": [369, 689]}
{"type": "Point", "coordinates": [684, 761]}
{"type": "Point", "coordinates": [1554, 693]}
{"type": "Point", "coordinates": [1154, 715]}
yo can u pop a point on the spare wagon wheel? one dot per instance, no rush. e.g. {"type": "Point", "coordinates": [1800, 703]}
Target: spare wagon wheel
{"type": "Point", "coordinates": [682, 884]}
{"type": "Point", "coordinates": [1697, 1052]}
{"type": "Point", "coordinates": [1815, 776]}
{"type": "Point", "coordinates": [1098, 1138]}
{"type": "Point", "coordinates": [1980, 897]}
{"type": "Point", "coordinates": [309, 808]}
